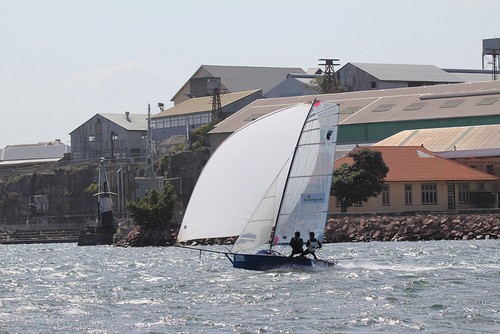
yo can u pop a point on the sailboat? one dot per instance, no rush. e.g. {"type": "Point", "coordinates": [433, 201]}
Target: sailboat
{"type": "Point", "coordinates": [266, 181]}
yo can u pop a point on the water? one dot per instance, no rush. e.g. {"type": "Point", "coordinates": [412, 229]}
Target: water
{"type": "Point", "coordinates": [428, 287]}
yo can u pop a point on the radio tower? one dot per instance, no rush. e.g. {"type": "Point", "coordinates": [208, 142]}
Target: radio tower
{"type": "Point", "coordinates": [329, 81]}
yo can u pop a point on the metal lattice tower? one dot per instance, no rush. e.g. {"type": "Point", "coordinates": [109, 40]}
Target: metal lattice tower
{"type": "Point", "coordinates": [216, 105]}
{"type": "Point", "coordinates": [329, 81]}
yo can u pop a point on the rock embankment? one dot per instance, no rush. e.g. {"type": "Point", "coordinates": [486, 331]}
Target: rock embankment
{"type": "Point", "coordinates": [141, 237]}
{"type": "Point", "coordinates": [355, 228]}
{"type": "Point", "coordinates": [412, 228]}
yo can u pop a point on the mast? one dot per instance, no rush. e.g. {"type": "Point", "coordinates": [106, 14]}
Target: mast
{"type": "Point", "coordinates": [288, 175]}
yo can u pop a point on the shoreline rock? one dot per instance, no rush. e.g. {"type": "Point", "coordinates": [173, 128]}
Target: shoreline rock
{"type": "Point", "coordinates": [412, 228]}
{"type": "Point", "coordinates": [144, 237]}
{"type": "Point", "coordinates": [358, 228]}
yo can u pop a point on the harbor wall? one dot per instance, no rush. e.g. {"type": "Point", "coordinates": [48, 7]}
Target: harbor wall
{"type": "Point", "coordinates": [438, 226]}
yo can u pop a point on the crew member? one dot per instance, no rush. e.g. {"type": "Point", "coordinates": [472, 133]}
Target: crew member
{"type": "Point", "coordinates": [311, 245]}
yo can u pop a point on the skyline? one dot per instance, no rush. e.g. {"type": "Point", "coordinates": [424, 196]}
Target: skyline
{"type": "Point", "coordinates": [65, 61]}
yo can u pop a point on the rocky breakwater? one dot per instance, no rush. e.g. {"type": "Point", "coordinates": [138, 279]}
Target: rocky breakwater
{"type": "Point", "coordinates": [141, 237]}
{"type": "Point", "coordinates": [413, 228]}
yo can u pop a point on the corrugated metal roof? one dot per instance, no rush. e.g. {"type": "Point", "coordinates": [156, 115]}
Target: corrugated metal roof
{"type": "Point", "coordinates": [240, 78]}
{"type": "Point", "coordinates": [488, 152]}
{"type": "Point", "coordinates": [417, 164]}
{"type": "Point", "coordinates": [134, 122]}
{"type": "Point", "coordinates": [203, 104]}
{"type": "Point", "coordinates": [470, 75]}
{"type": "Point", "coordinates": [416, 103]}
{"type": "Point", "coordinates": [35, 152]}
{"type": "Point", "coordinates": [27, 161]}
{"type": "Point", "coordinates": [173, 140]}
{"type": "Point", "coordinates": [244, 78]}
{"type": "Point", "coordinates": [406, 72]}
{"type": "Point", "coordinates": [448, 139]}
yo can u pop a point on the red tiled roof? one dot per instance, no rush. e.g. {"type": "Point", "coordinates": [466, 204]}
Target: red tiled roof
{"type": "Point", "coordinates": [415, 163]}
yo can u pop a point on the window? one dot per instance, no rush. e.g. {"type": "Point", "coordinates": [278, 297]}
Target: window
{"type": "Point", "coordinates": [429, 194]}
{"type": "Point", "coordinates": [463, 193]}
{"type": "Point", "coordinates": [166, 123]}
{"type": "Point", "coordinates": [386, 199]}
{"type": "Point", "coordinates": [408, 195]}
{"type": "Point", "coordinates": [206, 118]}
{"type": "Point", "coordinates": [489, 169]}
{"type": "Point", "coordinates": [91, 138]}
{"type": "Point", "coordinates": [174, 121]}
{"type": "Point", "coordinates": [373, 85]}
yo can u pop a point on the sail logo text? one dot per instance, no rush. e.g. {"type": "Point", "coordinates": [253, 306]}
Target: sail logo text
{"type": "Point", "coordinates": [313, 198]}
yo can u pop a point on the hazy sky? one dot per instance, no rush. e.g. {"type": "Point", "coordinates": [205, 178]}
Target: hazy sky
{"type": "Point", "coordinates": [63, 61]}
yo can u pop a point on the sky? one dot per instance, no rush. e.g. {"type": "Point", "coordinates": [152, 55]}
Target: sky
{"type": "Point", "coordinates": [63, 61]}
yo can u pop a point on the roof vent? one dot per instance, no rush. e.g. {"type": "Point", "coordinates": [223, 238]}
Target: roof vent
{"type": "Point", "coordinates": [451, 103]}
{"type": "Point", "coordinates": [351, 110]}
{"type": "Point", "coordinates": [487, 101]}
{"type": "Point", "coordinates": [415, 106]}
{"type": "Point", "coordinates": [127, 116]}
{"type": "Point", "coordinates": [383, 107]}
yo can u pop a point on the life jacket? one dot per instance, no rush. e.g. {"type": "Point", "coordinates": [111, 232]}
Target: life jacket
{"type": "Point", "coordinates": [313, 245]}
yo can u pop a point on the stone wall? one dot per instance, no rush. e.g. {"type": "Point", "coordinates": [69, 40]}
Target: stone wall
{"type": "Point", "coordinates": [349, 228]}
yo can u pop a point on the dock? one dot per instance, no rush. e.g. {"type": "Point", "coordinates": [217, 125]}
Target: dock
{"type": "Point", "coordinates": [39, 236]}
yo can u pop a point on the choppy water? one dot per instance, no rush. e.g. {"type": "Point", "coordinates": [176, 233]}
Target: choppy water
{"type": "Point", "coordinates": [428, 287]}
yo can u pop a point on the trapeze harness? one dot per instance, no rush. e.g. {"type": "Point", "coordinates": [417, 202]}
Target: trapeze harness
{"type": "Point", "coordinates": [313, 245]}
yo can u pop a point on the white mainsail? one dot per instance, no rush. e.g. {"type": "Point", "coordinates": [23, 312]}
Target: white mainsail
{"type": "Point", "coordinates": [304, 205]}
{"type": "Point", "coordinates": [258, 229]}
{"type": "Point", "coordinates": [240, 173]}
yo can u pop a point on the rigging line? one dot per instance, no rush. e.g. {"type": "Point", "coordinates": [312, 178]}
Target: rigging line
{"type": "Point", "coordinates": [316, 144]}
{"type": "Point", "coordinates": [309, 175]}
{"type": "Point", "coordinates": [204, 250]}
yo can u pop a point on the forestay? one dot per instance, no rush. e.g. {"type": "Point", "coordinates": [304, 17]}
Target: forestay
{"type": "Point", "coordinates": [239, 174]}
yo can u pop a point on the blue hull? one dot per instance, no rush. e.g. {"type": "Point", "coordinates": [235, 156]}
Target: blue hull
{"type": "Point", "coordinates": [269, 262]}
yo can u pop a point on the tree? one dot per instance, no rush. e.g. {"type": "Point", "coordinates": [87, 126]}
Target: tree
{"type": "Point", "coordinates": [155, 209]}
{"type": "Point", "coordinates": [361, 180]}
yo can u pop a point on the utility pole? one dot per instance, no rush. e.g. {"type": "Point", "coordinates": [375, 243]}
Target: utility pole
{"type": "Point", "coordinates": [149, 170]}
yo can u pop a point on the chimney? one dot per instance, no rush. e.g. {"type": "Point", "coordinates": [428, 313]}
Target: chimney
{"type": "Point", "coordinates": [127, 116]}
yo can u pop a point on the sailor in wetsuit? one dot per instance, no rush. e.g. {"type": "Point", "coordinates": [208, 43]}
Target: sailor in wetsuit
{"type": "Point", "coordinates": [297, 244]}
{"type": "Point", "coordinates": [311, 245]}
